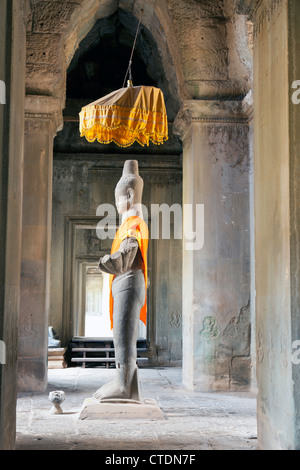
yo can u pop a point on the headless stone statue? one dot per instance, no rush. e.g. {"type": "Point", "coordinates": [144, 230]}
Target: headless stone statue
{"type": "Point", "coordinates": [127, 266]}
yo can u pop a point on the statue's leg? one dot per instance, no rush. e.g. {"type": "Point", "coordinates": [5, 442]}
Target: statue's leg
{"type": "Point", "coordinates": [129, 297]}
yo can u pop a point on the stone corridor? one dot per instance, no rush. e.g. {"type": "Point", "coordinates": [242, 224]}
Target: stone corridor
{"type": "Point", "coordinates": [193, 420]}
{"type": "Point", "coordinates": [226, 310]}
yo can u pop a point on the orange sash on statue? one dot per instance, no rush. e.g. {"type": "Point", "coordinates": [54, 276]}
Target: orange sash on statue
{"type": "Point", "coordinates": [137, 228]}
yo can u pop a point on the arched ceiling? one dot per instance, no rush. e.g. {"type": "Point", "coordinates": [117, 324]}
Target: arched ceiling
{"type": "Point", "coordinates": [99, 66]}
{"type": "Point", "coordinates": [101, 60]}
{"type": "Point", "coordinates": [202, 45]}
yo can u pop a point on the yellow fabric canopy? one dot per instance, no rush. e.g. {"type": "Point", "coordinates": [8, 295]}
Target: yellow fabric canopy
{"type": "Point", "coordinates": [132, 114]}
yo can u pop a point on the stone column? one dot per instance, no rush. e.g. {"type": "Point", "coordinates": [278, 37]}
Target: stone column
{"type": "Point", "coordinates": [40, 126]}
{"type": "Point", "coordinates": [12, 74]}
{"type": "Point", "coordinates": [277, 220]}
{"type": "Point", "coordinates": [216, 278]}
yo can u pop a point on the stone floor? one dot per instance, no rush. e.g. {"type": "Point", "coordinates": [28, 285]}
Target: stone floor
{"type": "Point", "coordinates": [193, 420]}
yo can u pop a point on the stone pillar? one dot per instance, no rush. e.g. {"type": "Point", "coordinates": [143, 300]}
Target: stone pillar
{"type": "Point", "coordinates": [277, 221]}
{"type": "Point", "coordinates": [40, 127]}
{"type": "Point", "coordinates": [12, 73]}
{"type": "Point", "coordinates": [216, 278]}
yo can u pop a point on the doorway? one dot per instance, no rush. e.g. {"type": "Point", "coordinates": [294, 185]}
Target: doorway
{"type": "Point", "coordinates": [95, 314]}
{"type": "Point", "coordinates": [96, 303]}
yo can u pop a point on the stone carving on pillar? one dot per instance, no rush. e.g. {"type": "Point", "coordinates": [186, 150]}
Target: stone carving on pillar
{"type": "Point", "coordinates": [43, 108]}
{"type": "Point", "coordinates": [175, 321]}
{"type": "Point", "coordinates": [210, 328]}
{"type": "Point", "coordinates": [221, 121]}
{"type": "Point", "coordinates": [208, 112]}
{"type": "Point", "coordinates": [215, 137]}
{"type": "Point", "coordinates": [225, 124]}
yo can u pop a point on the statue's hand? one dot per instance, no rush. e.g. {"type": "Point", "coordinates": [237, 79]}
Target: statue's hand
{"type": "Point", "coordinates": [104, 264]}
{"type": "Point", "coordinates": [129, 248]}
{"type": "Point", "coordinates": [109, 263]}
{"type": "Point", "coordinates": [122, 260]}
{"type": "Point", "coordinates": [104, 259]}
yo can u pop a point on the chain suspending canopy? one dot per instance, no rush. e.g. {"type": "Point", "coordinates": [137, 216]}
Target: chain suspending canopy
{"type": "Point", "coordinates": [128, 115]}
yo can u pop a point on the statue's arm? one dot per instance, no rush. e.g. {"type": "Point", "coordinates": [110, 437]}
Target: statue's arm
{"type": "Point", "coordinates": [122, 260]}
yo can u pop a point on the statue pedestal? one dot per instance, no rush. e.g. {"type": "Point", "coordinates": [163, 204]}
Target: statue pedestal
{"type": "Point", "coordinates": [146, 409]}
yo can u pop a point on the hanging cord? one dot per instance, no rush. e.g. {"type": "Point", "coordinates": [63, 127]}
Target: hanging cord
{"type": "Point", "coordinates": [129, 71]}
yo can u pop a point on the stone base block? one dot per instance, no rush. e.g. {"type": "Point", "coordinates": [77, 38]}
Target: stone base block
{"type": "Point", "coordinates": [56, 358]}
{"type": "Point", "coordinates": [147, 409]}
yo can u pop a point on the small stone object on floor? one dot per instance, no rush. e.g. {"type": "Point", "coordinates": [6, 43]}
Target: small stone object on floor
{"type": "Point", "coordinates": [57, 397]}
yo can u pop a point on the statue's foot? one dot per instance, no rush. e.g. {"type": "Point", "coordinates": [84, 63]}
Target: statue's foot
{"type": "Point", "coordinates": [101, 391]}
{"type": "Point", "coordinates": [123, 389]}
{"type": "Point", "coordinates": [111, 391]}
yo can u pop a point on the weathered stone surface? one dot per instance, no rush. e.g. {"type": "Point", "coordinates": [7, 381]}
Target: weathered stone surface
{"type": "Point", "coordinates": [35, 288]}
{"type": "Point", "coordinates": [240, 373]}
{"type": "Point", "coordinates": [209, 111]}
{"type": "Point", "coordinates": [246, 7]}
{"type": "Point", "coordinates": [218, 376]}
{"type": "Point", "coordinates": [44, 64]}
{"type": "Point", "coordinates": [201, 32]}
{"type": "Point", "coordinates": [12, 71]}
{"type": "Point", "coordinates": [43, 79]}
{"type": "Point", "coordinates": [193, 420]}
{"type": "Point", "coordinates": [197, 9]}
{"type": "Point", "coordinates": [236, 338]}
{"type": "Point", "coordinates": [93, 410]}
{"type": "Point", "coordinates": [32, 330]}
{"type": "Point", "coordinates": [32, 374]}
{"type": "Point", "coordinates": [52, 16]}
{"type": "Point", "coordinates": [277, 222]}
{"type": "Point", "coordinates": [202, 59]}
{"type": "Point", "coordinates": [34, 104]}
{"type": "Point", "coordinates": [214, 310]}
{"type": "Point", "coordinates": [43, 48]}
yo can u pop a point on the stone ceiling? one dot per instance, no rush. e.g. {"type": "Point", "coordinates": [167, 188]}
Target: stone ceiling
{"type": "Point", "coordinates": [202, 45]}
